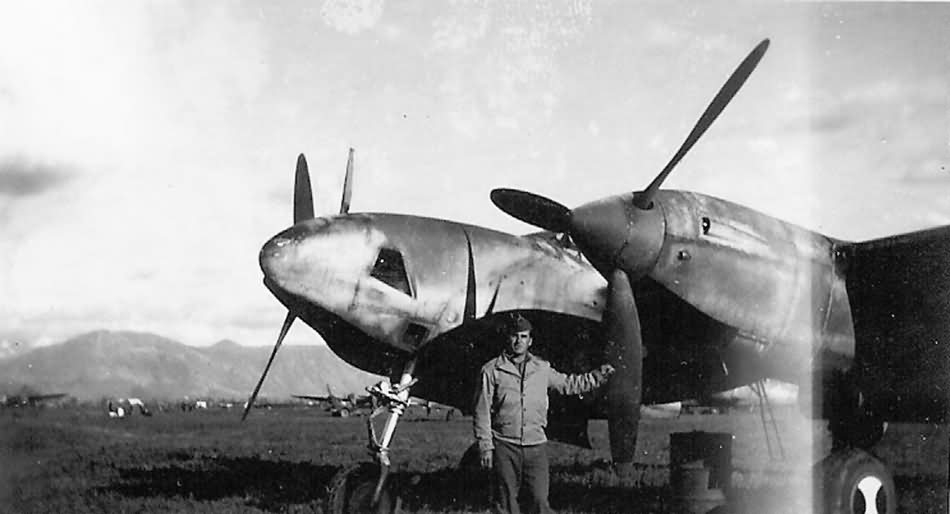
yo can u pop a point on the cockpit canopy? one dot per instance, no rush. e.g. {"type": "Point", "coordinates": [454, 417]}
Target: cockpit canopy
{"type": "Point", "coordinates": [390, 269]}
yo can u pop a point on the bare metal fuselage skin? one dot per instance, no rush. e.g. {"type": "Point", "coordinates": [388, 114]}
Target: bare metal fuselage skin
{"type": "Point", "coordinates": [329, 262]}
{"type": "Point", "coordinates": [733, 296]}
{"type": "Point", "coordinates": [777, 284]}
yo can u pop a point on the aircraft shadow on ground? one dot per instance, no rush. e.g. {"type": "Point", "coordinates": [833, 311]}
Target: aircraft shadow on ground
{"type": "Point", "coordinates": [267, 484]}
{"type": "Point", "coordinates": [274, 485]}
{"type": "Point", "coordinates": [458, 489]}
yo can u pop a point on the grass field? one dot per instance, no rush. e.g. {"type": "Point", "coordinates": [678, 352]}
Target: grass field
{"type": "Point", "coordinates": [282, 460]}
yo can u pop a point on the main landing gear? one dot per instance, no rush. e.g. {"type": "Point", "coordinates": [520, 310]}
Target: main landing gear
{"type": "Point", "coordinates": [366, 487]}
{"type": "Point", "coordinates": [851, 480]}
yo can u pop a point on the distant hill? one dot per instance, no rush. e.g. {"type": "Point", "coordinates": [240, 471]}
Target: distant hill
{"type": "Point", "coordinates": [105, 363]}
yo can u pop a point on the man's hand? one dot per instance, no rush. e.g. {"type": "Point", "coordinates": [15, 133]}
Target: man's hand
{"type": "Point", "coordinates": [603, 372]}
{"type": "Point", "coordinates": [486, 459]}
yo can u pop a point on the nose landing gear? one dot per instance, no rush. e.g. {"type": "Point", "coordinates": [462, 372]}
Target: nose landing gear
{"type": "Point", "coordinates": [366, 487]}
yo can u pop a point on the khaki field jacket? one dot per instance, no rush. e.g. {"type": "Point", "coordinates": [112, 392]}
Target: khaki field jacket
{"type": "Point", "coordinates": [513, 407]}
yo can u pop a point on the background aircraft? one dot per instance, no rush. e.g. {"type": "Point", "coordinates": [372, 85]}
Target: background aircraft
{"type": "Point", "coordinates": [428, 407]}
{"type": "Point", "coordinates": [686, 294]}
{"type": "Point", "coordinates": [31, 400]}
{"type": "Point", "coordinates": [342, 406]}
{"type": "Point", "coordinates": [122, 407]}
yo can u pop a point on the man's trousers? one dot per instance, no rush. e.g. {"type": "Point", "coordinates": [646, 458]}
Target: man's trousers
{"type": "Point", "coordinates": [520, 468]}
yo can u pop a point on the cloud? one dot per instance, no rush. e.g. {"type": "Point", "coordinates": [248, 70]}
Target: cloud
{"type": "Point", "coordinates": [460, 32]}
{"type": "Point", "coordinates": [352, 16]}
{"type": "Point", "coordinates": [880, 104]}
{"type": "Point", "coordinates": [928, 171]}
{"type": "Point", "coordinates": [501, 62]}
{"type": "Point", "coordinates": [20, 177]}
{"type": "Point", "coordinates": [144, 104]}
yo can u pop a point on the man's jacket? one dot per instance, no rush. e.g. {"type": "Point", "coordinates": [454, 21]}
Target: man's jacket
{"type": "Point", "coordinates": [513, 407]}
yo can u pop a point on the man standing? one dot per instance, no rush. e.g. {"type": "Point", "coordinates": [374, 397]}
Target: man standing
{"type": "Point", "coordinates": [511, 411]}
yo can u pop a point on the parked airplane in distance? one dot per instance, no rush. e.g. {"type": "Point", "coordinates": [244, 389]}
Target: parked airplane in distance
{"type": "Point", "coordinates": [342, 406]}
{"type": "Point", "coordinates": [30, 400]}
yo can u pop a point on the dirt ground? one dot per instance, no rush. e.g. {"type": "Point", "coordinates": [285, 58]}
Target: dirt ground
{"type": "Point", "coordinates": [283, 460]}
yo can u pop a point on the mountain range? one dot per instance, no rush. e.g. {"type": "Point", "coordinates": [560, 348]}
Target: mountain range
{"type": "Point", "coordinates": [118, 364]}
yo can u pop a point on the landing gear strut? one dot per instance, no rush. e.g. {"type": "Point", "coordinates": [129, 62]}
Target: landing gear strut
{"type": "Point", "coordinates": [366, 487]}
{"type": "Point", "coordinates": [850, 480]}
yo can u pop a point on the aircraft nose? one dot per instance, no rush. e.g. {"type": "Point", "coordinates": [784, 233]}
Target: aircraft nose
{"type": "Point", "coordinates": [320, 262]}
{"type": "Point", "coordinates": [279, 253]}
{"type": "Point", "coordinates": [273, 254]}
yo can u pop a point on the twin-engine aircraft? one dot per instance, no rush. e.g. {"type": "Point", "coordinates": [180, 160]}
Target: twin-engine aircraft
{"type": "Point", "coordinates": [341, 406]}
{"type": "Point", "coordinates": [685, 294]}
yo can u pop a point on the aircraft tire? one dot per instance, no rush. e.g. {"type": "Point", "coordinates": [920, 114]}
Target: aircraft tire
{"type": "Point", "coordinates": [351, 491]}
{"type": "Point", "coordinates": [847, 480]}
{"type": "Point", "coordinates": [344, 413]}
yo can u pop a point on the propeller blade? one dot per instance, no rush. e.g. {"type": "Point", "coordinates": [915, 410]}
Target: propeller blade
{"type": "Point", "coordinates": [624, 351]}
{"type": "Point", "coordinates": [470, 286]}
{"type": "Point", "coordinates": [719, 102]}
{"type": "Point", "coordinates": [303, 196]}
{"type": "Point", "coordinates": [533, 209]}
{"type": "Point", "coordinates": [347, 185]}
{"type": "Point", "coordinates": [280, 339]}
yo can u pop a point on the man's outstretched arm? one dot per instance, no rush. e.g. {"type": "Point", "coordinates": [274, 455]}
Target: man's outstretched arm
{"type": "Point", "coordinates": [581, 382]}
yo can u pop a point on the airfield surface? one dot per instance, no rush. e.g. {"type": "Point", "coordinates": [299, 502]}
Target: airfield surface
{"type": "Point", "coordinates": [283, 460]}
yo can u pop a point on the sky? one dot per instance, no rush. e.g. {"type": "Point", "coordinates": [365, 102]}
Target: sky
{"type": "Point", "coordinates": [147, 148]}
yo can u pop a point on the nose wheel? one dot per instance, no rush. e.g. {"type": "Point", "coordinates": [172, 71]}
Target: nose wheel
{"type": "Point", "coordinates": [352, 491]}
{"type": "Point", "coordinates": [366, 487]}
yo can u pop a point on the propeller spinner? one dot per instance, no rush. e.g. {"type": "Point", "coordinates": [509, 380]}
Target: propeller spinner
{"type": "Point", "coordinates": [622, 237]}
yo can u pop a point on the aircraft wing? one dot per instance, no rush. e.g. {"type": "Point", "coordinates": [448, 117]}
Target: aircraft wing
{"type": "Point", "coordinates": [899, 291]}
{"type": "Point", "coordinates": [43, 397]}
{"type": "Point", "coordinates": [312, 398]}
